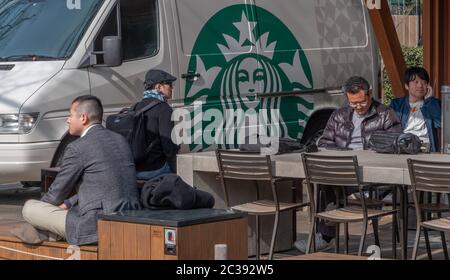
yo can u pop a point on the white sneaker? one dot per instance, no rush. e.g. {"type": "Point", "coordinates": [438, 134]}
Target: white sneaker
{"type": "Point", "coordinates": [321, 244]}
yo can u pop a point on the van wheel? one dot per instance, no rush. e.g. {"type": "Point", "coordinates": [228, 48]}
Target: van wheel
{"type": "Point", "coordinates": [315, 128]}
{"type": "Point", "coordinates": [57, 157]}
{"type": "Point", "coordinates": [314, 138]}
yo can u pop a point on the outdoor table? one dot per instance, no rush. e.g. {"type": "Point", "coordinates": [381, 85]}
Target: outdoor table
{"type": "Point", "coordinates": [374, 168]}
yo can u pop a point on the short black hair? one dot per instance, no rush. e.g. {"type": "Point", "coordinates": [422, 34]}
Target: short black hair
{"type": "Point", "coordinates": [91, 106]}
{"type": "Point", "coordinates": [355, 84]}
{"type": "Point", "coordinates": [416, 71]}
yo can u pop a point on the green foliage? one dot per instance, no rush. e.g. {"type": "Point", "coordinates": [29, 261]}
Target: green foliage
{"type": "Point", "coordinates": [406, 7]}
{"type": "Point", "coordinates": [413, 57]}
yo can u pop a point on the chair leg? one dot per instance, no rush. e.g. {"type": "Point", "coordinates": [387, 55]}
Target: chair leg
{"type": "Point", "coordinates": [375, 232]}
{"type": "Point", "coordinates": [257, 238]}
{"type": "Point", "coordinates": [416, 242]}
{"type": "Point", "coordinates": [397, 229]}
{"type": "Point", "coordinates": [394, 235]}
{"type": "Point", "coordinates": [444, 242]}
{"type": "Point", "coordinates": [312, 237]}
{"type": "Point", "coordinates": [444, 245]}
{"type": "Point", "coordinates": [427, 243]}
{"type": "Point", "coordinates": [274, 235]}
{"type": "Point", "coordinates": [363, 238]}
{"type": "Point", "coordinates": [336, 244]}
{"type": "Point", "coordinates": [395, 218]}
{"type": "Point", "coordinates": [404, 221]}
{"type": "Point", "coordinates": [346, 237]}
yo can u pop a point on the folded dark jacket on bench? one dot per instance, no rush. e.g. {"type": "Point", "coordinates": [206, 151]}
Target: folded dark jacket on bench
{"type": "Point", "coordinates": [169, 191]}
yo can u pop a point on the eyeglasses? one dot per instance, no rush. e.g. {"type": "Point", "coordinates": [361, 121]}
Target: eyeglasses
{"type": "Point", "coordinates": [355, 104]}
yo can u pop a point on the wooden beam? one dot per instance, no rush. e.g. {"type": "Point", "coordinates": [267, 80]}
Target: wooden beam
{"type": "Point", "coordinates": [436, 43]}
{"type": "Point", "coordinates": [391, 50]}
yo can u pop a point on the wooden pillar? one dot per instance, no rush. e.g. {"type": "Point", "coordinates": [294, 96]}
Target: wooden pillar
{"type": "Point", "coordinates": [436, 36]}
{"type": "Point", "coordinates": [389, 45]}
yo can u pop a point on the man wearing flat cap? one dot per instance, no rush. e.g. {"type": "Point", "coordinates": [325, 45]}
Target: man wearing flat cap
{"type": "Point", "coordinates": [161, 157]}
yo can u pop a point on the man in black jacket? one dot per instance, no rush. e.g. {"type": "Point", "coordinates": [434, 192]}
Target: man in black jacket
{"type": "Point", "coordinates": [161, 157]}
{"type": "Point", "coordinates": [350, 127]}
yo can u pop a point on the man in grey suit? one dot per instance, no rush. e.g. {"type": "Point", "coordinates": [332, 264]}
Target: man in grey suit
{"type": "Point", "coordinates": [99, 165]}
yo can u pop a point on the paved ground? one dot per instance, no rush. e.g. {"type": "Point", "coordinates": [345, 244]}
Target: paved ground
{"type": "Point", "coordinates": [13, 196]}
{"type": "Point", "coordinates": [385, 239]}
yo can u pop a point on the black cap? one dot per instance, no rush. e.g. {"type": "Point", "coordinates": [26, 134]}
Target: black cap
{"type": "Point", "coordinates": [155, 76]}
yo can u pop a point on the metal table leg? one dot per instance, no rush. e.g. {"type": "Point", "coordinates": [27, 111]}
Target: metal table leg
{"type": "Point", "coordinates": [403, 222]}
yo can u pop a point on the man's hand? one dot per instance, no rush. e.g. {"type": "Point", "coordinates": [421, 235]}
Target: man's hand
{"type": "Point", "coordinates": [63, 206]}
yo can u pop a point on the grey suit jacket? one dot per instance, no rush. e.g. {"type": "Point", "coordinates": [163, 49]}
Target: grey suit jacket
{"type": "Point", "coordinates": [100, 165]}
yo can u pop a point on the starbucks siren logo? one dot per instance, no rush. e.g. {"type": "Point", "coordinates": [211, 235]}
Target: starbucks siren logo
{"type": "Point", "coordinates": [237, 64]}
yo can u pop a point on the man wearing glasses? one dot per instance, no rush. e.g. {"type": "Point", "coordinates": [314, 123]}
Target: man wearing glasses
{"type": "Point", "coordinates": [161, 157]}
{"type": "Point", "coordinates": [350, 128]}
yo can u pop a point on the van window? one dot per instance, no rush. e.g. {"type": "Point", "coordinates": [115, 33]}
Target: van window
{"type": "Point", "coordinates": [108, 29]}
{"type": "Point", "coordinates": [139, 30]}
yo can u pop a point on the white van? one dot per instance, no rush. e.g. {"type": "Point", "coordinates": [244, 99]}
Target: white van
{"type": "Point", "coordinates": [288, 54]}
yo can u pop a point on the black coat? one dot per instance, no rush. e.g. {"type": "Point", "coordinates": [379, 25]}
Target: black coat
{"type": "Point", "coordinates": [159, 129]}
{"type": "Point", "coordinates": [169, 191]}
{"type": "Point", "coordinates": [339, 129]}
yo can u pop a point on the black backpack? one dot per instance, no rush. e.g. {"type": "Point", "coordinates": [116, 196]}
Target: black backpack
{"type": "Point", "coordinates": [395, 143]}
{"type": "Point", "coordinates": [131, 124]}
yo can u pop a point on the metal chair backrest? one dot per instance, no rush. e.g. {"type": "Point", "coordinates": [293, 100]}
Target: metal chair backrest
{"type": "Point", "coordinates": [331, 170]}
{"type": "Point", "coordinates": [428, 176]}
{"type": "Point", "coordinates": [244, 166]}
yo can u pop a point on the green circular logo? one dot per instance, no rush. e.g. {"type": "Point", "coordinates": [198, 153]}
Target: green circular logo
{"type": "Point", "coordinates": [242, 51]}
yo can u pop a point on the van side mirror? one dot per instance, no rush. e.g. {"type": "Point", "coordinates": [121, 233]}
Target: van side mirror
{"type": "Point", "coordinates": [112, 50]}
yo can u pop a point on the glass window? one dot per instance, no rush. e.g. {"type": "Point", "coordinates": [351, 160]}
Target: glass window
{"type": "Point", "coordinates": [43, 29]}
{"type": "Point", "coordinates": [108, 29]}
{"type": "Point", "coordinates": [139, 28]}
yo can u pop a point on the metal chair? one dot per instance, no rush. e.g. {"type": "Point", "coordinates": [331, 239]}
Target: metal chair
{"type": "Point", "coordinates": [254, 167]}
{"type": "Point", "coordinates": [343, 172]}
{"type": "Point", "coordinates": [428, 178]}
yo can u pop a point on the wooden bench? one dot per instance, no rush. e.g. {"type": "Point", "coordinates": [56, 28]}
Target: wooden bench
{"type": "Point", "coordinates": [143, 235]}
{"type": "Point", "coordinates": [11, 248]}
{"type": "Point", "coordinates": [172, 234]}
